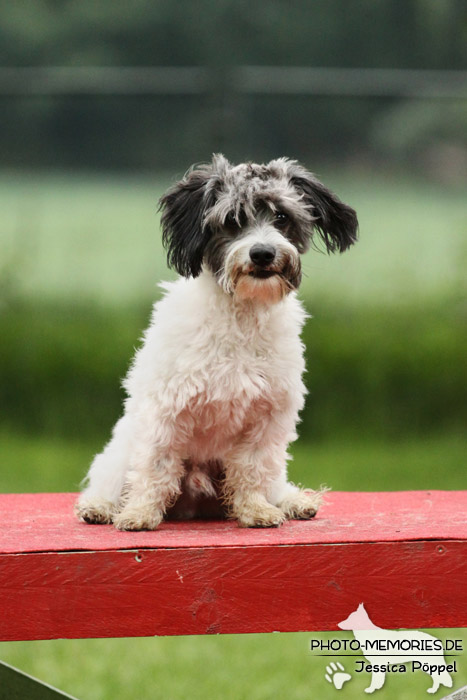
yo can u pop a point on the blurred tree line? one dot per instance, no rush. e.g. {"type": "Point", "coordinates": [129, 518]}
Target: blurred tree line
{"type": "Point", "coordinates": [167, 131]}
{"type": "Point", "coordinates": [373, 373]}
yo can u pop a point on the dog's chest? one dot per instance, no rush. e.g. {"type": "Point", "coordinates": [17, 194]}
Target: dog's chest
{"type": "Point", "coordinates": [244, 367]}
{"type": "Point", "coordinates": [217, 426]}
{"type": "Point", "coordinates": [243, 384]}
{"type": "Point", "coordinates": [219, 373]}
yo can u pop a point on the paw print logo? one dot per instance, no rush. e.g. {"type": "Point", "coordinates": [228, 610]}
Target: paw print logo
{"type": "Point", "coordinates": [336, 675]}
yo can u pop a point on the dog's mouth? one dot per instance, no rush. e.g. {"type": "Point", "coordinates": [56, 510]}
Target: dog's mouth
{"type": "Point", "coordinates": [269, 283]}
{"type": "Point", "coordinates": [261, 274]}
{"type": "Point", "coordinates": [265, 284]}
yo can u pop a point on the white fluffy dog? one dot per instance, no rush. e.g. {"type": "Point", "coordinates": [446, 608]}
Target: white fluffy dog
{"type": "Point", "coordinates": [215, 390]}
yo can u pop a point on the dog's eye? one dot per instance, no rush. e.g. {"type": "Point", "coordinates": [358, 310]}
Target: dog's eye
{"type": "Point", "coordinates": [281, 219]}
{"type": "Point", "coordinates": [231, 221]}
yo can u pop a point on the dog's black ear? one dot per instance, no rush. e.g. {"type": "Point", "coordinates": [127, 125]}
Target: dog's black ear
{"type": "Point", "coordinates": [184, 234]}
{"type": "Point", "coordinates": [335, 221]}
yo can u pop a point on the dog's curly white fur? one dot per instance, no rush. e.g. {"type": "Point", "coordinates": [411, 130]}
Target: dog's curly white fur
{"type": "Point", "coordinates": [215, 390]}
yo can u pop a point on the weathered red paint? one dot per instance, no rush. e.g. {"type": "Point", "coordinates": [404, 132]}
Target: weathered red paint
{"type": "Point", "coordinates": [403, 554]}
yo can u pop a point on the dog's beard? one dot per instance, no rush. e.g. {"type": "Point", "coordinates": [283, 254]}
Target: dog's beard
{"type": "Point", "coordinates": [267, 290]}
{"type": "Point", "coordinates": [265, 285]}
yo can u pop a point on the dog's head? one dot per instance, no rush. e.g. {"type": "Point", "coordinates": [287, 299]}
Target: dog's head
{"type": "Point", "coordinates": [250, 223]}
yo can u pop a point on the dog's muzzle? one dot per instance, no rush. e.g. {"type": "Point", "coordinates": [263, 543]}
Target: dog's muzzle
{"type": "Point", "coordinates": [263, 257]}
{"type": "Point", "coordinates": [265, 269]}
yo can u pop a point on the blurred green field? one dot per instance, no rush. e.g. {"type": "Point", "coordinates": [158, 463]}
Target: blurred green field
{"type": "Point", "coordinates": [35, 464]}
{"type": "Point", "coordinates": [96, 238]}
{"type": "Point", "coordinates": [233, 667]}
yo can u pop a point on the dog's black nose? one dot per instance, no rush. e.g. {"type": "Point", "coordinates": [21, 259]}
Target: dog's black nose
{"type": "Point", "coordinates": [262, 254]}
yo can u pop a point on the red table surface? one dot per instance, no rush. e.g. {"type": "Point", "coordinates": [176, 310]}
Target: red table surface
{"type": "Point", "coordinates": [45, 522]}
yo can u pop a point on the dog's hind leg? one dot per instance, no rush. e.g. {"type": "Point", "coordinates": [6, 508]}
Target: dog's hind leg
{"type": "Point", "coordinates": [104, 482]}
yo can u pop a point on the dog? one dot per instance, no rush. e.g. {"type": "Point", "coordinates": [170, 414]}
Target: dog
{"type": "Point", "coordinates": [369, 635]}
{"type": "Point", "coordinates": [215, 391]}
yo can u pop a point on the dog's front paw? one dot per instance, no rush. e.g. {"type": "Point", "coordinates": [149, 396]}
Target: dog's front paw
{"type": "Point", "coordinates": [94, 512]}
{"type": "Point", "coordinates": [260, 516]}
{"type": "Point", "coordinates": [302, 505]}
{"type": "Point", "coordinates": [138, 519]}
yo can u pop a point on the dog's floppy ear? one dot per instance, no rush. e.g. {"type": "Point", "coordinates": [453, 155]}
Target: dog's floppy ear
{"type": "Point", "coordinates": [335, 221]}
{"type": "Point", "coordinates": [184, 234]}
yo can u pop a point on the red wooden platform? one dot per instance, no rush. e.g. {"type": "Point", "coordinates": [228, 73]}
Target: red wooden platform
{"type": "Point", "coordinates": [403, 554]}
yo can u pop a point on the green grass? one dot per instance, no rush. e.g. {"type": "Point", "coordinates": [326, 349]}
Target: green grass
{"type": "Point", "coordinates": [33, 464]}
{"type": "Point", "coordinates": [42, 464]}
{"type": "Point", "coordinates": [254, 667]}
{"type": "Point", "coordinates": [399, 465]}
{"type": "Point", "coordinates": [96, 238]}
